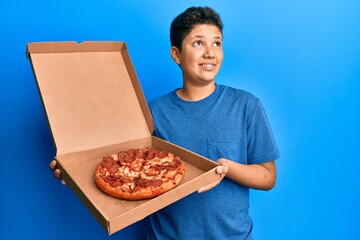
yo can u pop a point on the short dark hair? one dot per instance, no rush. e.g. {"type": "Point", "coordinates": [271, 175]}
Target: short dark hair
{"type": "Point", "coordinates": [182, 25]}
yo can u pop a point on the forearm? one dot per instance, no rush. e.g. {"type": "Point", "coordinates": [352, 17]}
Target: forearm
{"type": "Point", "coordinates": [257, 176]}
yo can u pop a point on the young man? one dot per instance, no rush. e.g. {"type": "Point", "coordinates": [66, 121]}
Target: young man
{"type": "Point", "coordinates": [224, 124]}
{"type": "Point", "coordinates": [221, 123]}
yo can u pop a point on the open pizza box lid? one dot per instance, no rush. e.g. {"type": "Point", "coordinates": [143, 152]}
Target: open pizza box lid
{"type": "Point", "coordinates": [95, 107]}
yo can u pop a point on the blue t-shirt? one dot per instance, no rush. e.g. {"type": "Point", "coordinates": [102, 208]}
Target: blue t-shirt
{"type": "Point", "coordinates": [231, 124]}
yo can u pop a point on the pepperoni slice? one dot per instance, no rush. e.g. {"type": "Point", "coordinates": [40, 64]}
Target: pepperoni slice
{"type": "Point", "coordinates": [116, 183]}
{"type": "Point", "coordinates": [166, 167]}
{"type": "Point", "coordinates": [106, 164]}
{"type": "Point", "coordinates": [176, 163]}
{"type": "Point", "coordinates": [124, 157]}
{"type": "Point", "coordinates": [141, 182]}
{"type": "Point", "coordinates": [131, 152]}
{"type": "Point", "coordinates": [110, 178]}
{"type": "Point", "coordinates": [125, 180]}
{"type": "Point", "coordinates": [116, 164]}
{"type": "Point", "coordinates": [113, 169]}
{"type": "Point", "coordinates": [122, 154]}
{"type": "Point", "coordinates": [163, 154]}
{"type": "Point", "coordinates": [154, 150]}
{"type": "Point", "coordinates": [156, 182]}
{"type": "Point", "coordinates": [108, 159]}
{"type": "Point", "coordinates": [169, 166]}
{"type": "Point", "coordinates": [139, 154]}
{"type": "Point", "coordinates": [129, 159]}
{"type": "Point", "coordinates": [148, 183]}
{"type": "Point", "coordinates": [150, 156]}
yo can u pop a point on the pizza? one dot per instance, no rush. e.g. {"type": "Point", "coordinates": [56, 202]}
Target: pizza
{"type": "Point", "coordinates": [137, 174]}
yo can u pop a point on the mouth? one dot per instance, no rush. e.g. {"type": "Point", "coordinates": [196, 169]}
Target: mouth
{"type": "Point", "coordinates": [208, 65]}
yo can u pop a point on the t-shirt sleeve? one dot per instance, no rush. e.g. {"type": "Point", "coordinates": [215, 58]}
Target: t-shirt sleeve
{"type": "Point", "coordinates": [261, 143]}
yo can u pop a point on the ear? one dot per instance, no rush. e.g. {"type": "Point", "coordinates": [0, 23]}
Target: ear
{"type": "Point", "coordinates": [175, 54]}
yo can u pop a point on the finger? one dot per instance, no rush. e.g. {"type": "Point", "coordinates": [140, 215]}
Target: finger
{"type": "Point", "coordinates": [57, 173]}
{"type": "Point", "coordinates": [208, 187]}
{"type": "Point", "coordinates": [219, 170]}
{"type": "Point", "coordinates": [224, 166]}
{"type": "Point", "coordinates": [52, 164]}
{"type": "Point", "coordinates": [63, 182]}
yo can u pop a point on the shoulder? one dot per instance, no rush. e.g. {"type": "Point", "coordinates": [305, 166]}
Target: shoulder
{"type": "Point", "coordinates": [235, 91]}
{"type": "Point", "coordinates": [238, 95]}
{"type": "Point", "coordinates": [162, 102]}
{"type": "Point", "coordinates": [161, 99]}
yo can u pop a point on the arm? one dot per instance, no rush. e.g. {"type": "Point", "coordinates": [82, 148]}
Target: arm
{"type": "Point", "coordinates": [258, 176]}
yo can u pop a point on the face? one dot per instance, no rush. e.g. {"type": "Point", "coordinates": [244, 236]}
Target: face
{"type": "Point", "coordinates": [201, 55]}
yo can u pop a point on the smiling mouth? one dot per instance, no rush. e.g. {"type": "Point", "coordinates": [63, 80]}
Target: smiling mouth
{"type": "Point", "coordinates": [207, 65]}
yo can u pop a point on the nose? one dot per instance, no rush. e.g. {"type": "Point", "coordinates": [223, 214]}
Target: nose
{"type": "Point", "coordinates": [209, 52]}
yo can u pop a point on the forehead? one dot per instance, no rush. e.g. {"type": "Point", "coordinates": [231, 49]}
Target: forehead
{"type": "Point", "coordinates": [205, 31]}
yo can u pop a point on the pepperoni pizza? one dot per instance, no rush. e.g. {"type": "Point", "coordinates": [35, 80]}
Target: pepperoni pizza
{"type": "Point", "coordinates": [138, 174]}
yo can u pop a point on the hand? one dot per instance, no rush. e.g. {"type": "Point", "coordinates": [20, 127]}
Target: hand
{"type": "Point", "coordinates": [222, 169]}
{"type": "Point", "coordinates": [57, 172]}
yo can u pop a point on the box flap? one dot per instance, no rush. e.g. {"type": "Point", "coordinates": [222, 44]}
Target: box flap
{"type": "Point", "coordinates": [90, 93]}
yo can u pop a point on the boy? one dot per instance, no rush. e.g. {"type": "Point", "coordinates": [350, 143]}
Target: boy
{"type": "Point", "coordinates": [221, 123]}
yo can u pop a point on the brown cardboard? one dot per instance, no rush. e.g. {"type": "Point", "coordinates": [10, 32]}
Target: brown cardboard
{"type": "Point", "coordinates": [95, 107]}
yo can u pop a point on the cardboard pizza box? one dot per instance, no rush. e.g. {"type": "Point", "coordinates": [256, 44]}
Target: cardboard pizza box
{"type": "Point", "coordinates": [95, 107]}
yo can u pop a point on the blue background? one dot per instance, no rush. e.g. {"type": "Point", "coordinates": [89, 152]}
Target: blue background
{"type": "Point", "coordinates": [301, 58]}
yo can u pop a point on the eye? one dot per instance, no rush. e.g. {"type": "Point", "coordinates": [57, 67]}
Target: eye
{"type": "Point", "coordinates": [197, 44]}
{"type": "Point", "coordinates": [217, 44]}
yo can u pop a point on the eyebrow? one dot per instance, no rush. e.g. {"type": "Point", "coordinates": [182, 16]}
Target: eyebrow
{"type": "Point", "coordinates": [202, 36]}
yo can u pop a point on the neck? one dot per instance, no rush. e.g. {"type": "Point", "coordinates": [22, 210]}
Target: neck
{"type": "Point", "coordinates": [195, 93]}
